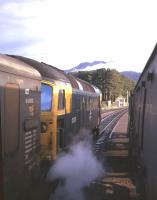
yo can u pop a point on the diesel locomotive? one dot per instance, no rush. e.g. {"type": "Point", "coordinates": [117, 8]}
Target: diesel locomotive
{"type": "Point", "coordinates": [143, 129]}
{"type": "Point", "coordinates": [42, 108]}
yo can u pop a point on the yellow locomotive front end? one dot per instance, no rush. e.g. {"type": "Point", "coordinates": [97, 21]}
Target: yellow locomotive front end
{"type": "Point", "coordinates": [47, 120]}
{"type": "Point", "coordinates": [55, 104]}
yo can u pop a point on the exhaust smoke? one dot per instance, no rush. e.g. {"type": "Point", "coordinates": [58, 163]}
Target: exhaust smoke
{"type": "Point", "coordinates": [75, 169]}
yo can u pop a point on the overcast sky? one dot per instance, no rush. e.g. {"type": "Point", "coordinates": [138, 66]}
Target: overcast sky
{"type": "Point", "coordinates": [65, 33]}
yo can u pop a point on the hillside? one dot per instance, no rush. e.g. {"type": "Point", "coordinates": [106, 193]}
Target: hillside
{"type": "Point", "coordinates": [132, 75]}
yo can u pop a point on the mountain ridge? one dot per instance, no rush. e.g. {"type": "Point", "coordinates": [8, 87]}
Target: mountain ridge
{"type": "Point", "coordinates": [132, 75]}
{"type": "Point", "coordinates": [82, 66]}
{"type": "Point", "coordinates": [89, 66]}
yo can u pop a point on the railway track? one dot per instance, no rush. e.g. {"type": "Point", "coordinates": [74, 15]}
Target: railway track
{"type": "Point", "coordinates": [108, 122]}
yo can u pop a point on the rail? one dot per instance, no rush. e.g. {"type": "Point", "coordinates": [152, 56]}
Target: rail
{"type": "Point", "coordinates": [106, 127]}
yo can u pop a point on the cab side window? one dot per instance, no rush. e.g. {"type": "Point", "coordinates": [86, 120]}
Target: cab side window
{"type": "Point", "coordinates": [46, 97]}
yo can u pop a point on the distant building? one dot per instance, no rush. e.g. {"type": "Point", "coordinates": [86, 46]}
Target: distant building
{"type": "Point", "coordinates": [120, 101]}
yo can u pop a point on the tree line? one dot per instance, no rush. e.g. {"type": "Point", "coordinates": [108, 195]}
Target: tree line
{"type": "Point", "coordinates": [111, 83]}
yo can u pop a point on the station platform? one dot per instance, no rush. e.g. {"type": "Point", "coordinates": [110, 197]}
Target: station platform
{"type": "Point", "coordinates": [122, 125]}
{"type": "Point", "coordinates": [117, 145]}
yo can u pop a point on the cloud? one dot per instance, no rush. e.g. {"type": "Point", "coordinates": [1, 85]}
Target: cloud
{"type": "Point", "coordinates": [66, 33]}
{"type": "Point", "coordinates": [17, 25]}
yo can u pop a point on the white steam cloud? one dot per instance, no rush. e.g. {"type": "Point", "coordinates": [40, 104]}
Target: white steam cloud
{"type": "Point", "coordinates": [76, 169]}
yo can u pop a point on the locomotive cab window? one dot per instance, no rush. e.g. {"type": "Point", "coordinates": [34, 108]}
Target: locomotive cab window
{"type": "Point", "coordinates": [12, 110]}
{"type": "Point", "coordinates": [61, 99]}
{"type": "Point", "coordinates": [46, 97]}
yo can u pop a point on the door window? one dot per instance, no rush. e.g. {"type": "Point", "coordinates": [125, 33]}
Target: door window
{"type": "Point", "coordinates": [61, 99]}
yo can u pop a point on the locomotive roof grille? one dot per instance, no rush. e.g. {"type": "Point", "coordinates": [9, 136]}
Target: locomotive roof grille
{"type": "Point", "coordinates": [73, 82]}
{"type": "Point", "coordinates": [80, 85]}
{"type": "Point", "coordinates": [96, 89]}
{"type": "Point", "coordinates": [86, 86]}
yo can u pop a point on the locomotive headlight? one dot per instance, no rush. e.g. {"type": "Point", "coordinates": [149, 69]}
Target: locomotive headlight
{"type": "Point", "coordinates": [43, 127]}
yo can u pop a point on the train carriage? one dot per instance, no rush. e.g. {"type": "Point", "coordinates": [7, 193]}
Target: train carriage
{"type": "Point", "coordinates": [19, 126]}
{"type": "Point", "coordinates": [143, 126]}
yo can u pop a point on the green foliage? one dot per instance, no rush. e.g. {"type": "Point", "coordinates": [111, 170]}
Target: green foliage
{"type": "Point", "coordinates": [110, 82]}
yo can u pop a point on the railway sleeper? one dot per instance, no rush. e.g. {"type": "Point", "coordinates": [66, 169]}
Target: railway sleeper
{"type": "Point", "coordinates": [116, 187]}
